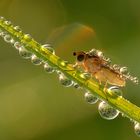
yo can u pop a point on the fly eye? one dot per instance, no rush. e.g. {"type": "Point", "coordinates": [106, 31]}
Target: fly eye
{"type": "Point", "coordinates": [80, 57]}
{"type": "Point", "coordinates": [74, 53]}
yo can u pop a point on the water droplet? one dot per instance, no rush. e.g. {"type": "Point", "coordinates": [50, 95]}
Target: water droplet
{"type": "Point", "coordinates": [107, 112]}
{"type": "Point", "coordinates": [85, 75]}
{"type": "Point", "coordinates": [27, 37]}
{"type": "Point", "coordinates": [115, 90]}
{"type": "Point", "coordinates": [49, 47]}
{"type": "Point", "coordinates": [17, 45]}
{"type": "Point", "coordinates": [12, 41]}
{"type": "Point", "coordinates": [17, 28]}
{"type": "Point", "coordinates": [7, 38]}
{"type": "Point", "coordinates": [2, 18]}
{"type": "Point", "coordinates": [64, 80]}
{"type": "Point", "coordinates": [137, 129]}
{"type": "Point", "coordinates": [24, 53]}
{"type": "Point", "coordinates": [35, 60]}
{"type": "Point", "coordinates": [77, 86]}
{"type": "Point", "coordinates": [90, 98]}
{"type": "Point", "coordinates": [123, 70]}
{"type": "Point", "coordinates": [2, 34]}
{"type": "Point", "coordinates": [8, 23]}
{"type": "Point", "coordinates": [48, 68]}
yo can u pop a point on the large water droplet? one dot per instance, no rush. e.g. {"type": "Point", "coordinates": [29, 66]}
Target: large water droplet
{"type": "Point", "coordinates": [137, 129]}
{"type": "Point", "coordinates": [24, 53]}
{"type": "Point", "coordinates": [107, 112]}
{"type": "Point", "coordinates": [35, 60]}
{"type": "Point", "coordinates": [64, 80]}
{"type": "Point", "coordinates": [90, 98]}
{"type": "Point", "coordinates": [48, 68]}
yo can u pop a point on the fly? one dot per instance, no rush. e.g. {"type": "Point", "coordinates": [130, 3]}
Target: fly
{"type": "Point", "coordinates": [100, 67]}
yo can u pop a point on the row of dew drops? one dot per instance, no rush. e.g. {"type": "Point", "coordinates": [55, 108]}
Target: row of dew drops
{"type": "Point", "coordinates": [105, 110]}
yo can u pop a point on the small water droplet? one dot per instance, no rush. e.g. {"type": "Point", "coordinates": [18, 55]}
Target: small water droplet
{"type": "Point", "coordinates": [27, 37]}
{"type": "Point", "coordinates": [24, 53]}
{"type": "Point", "coordinates": [48, 68]}
{"type": "Point", "coordinates": [85, 75]}
{"type": "Point", "coordinates": [2, 18]}
{"type": "Point", "coordinates": [2, 34]}
{"type": "Point", "coordinates": [107, 112]}
{"type": "Point", "coordinates": [17, 28]}
{"type": "Point", "coordinates": [49, 47]}
{"type": "Point", "coordinates": [123, 70]}
{"type": "Point", "coordinates": [8, 23]}
{"type": "Point", "coordinates": [116, 90]}
{"type": "Point", "coordinates": [35, 60]}
{"type": "Point", "coordinates": [77, 86]}
{"type": "Point", "coordinates": [7, 38]}
{"type": "Point", "coordinates": [137, 129]}
{"type": "Point", "coordinates": [17, 45]}
{"type": "Point", "coordinates": [90, 98]}
{"type": "Point", "coordinates": [65, 81]}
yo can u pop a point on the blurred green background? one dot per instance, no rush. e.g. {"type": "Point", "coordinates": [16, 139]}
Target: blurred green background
{"type": "Point", "coordinates": [33, 105]}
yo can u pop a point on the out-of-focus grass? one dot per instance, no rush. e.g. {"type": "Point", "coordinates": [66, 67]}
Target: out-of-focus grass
{"type": "Point", "coordinates": [33, 105]}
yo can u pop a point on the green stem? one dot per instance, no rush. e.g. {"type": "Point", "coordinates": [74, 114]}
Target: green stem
{"type": "Point", "coordinates": [124, 106]}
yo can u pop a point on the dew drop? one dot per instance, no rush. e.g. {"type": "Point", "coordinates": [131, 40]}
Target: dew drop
{"type": "Point", "coordinates": [35, 60]}
{"type": "Point", "coordinates": [116, 90]}
{"type": "Point", "coordinates": [49, 47]}
{"type": "Point", "coordinates": [27, 37]}
{"type": "Point", "coordinates": [17, 28]}
{"type": "Point", "coordinates": [48, 68]}
{"type": "Point", "coordinates": [7, 38]}
{"type": "Point", "coordinates": [3, 34]}
{"type": "Point", "coordinates": [137, 129]}
{"type": "Point", "coordinates": [24, 53]}
{"type": "Point", "coordinates": [85, 75]}
{"type": "Point", "coordinates": [107, 112]}
{"type": "Point", "coordinates": [90, 98]}
{"type": "Point", "coordinates": [2, 18]}
{"type": "Point", "coordinates": [123, 70]}
{"type": "Point", "coordinates": [8, 23]}
{"type": "Point", "coordinates": [17, 45]}
{"type": "Point", "coordinates": [77, 86]}
{"type": "Point", "coordinates": [65, 81]}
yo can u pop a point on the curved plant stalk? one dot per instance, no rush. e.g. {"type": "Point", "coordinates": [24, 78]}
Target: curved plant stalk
{"type": "Point", "coordinates": [118, 102]}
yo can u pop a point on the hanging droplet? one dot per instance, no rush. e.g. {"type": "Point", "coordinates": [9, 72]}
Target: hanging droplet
{"type": "Point", "coordinates": [64, 80]}
{"type": "Point", "coordinates": [24, 53]}
{"type": "Point", "coordinates": [17, 45]}
{"type": "Point", "coordinates": [115, 90]}
{"type": "Point", "coordinates": [27, 37]}
{"type": "Point", "coordinates": [48, 68]}
{"type": "Point", "coordinates": [7, 38]}
{"type": "Point", "coordinates": [107, 112]}
{"type": "Point", "coordinates": [90, 98]}
{"type": "Point", "coordinates": [49, 47]}
{"type": "Point", "coordinates": [77, 86]}
{"type": "Point", "coordinates": [137, 129]}
{"type": "Point", "coordinates": [35, 60]}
